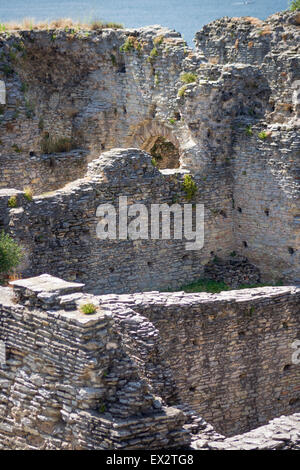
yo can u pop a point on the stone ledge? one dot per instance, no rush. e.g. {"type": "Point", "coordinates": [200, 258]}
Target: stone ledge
{"type": "Point", "coordinates": [43, 290]}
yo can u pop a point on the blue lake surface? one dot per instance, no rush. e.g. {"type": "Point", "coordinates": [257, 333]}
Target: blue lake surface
{"type": "Point", "coordinates": [186, 17]}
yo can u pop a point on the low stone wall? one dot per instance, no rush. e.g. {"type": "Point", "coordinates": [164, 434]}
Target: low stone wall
{"type": "Point", "coordinates": [279, 434]}
{"type": "Point", "coordinates": [42, 173]}
{"type": "Point", "coordinates": [230, 354]}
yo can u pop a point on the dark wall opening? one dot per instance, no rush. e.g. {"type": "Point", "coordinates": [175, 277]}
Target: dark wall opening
{"type": "Point", "coordinates": [165, 154]}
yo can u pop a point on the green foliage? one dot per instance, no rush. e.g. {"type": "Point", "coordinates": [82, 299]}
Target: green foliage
{"type": "Point", "coordinates": [172, 121]}
{"type": "Point", "coordinates": [102, 408]}
{"type": "Point", "coordinates": [59, 145]}
{"type": "Point", "coordinates": [181, 91]}
{"type": "Point", "coordinates": [262, 135]}
{"type": "Point", "coordinates": [10, 253]}
{"type": "Point", "coordinates": [113, 59]}
{"type": "Point", "coordinates": [156, 79]}
{"type": "Point", "coordinates": [249, 130]}
{"type": "Point", "coordinates": [2, 28]}
{"type": "Point", "coordinates": [154, 53]}
{"type": "Point", "coordinates": [88, 309]}
{"type": "Point", "coordinates": [128, 45]}
{"type": "Point", "coordinates": [28, 194]}
{"type": "Point", "coordinates": [188, 77]}
{"type": "Point", "coordinates": [295, 5]}
{"type": "Point", "coordinates": [154, 161]}
{"type": "Point", "coordinates": [189, 187]}
{"type": "Point", "coordinates": [214, 287]}
{"type": "Point", "coordinates": [12, 202]}
{"type": "Point", "coordinates": [206, 285]}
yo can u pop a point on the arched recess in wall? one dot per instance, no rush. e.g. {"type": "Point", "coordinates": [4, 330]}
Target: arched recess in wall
{"type": "Point", "coordinates": [159, 141]}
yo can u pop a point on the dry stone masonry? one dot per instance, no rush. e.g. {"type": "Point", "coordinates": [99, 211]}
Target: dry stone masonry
{"type": "Point", "coordinates": [89, 116]}
{"type": "Point", "coordinates": [145, 369]}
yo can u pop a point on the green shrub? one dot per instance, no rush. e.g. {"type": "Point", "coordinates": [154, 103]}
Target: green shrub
{"type": "Point", "coordinates": [262, 135]}
{"type": "Point", "coordinates": [153, 53]}
{"type": "Point", "coordinates": [28, 194]}
{"type": "Point", "coordinates": [102, 407]}
{"type": "Point", "coordinates": [128, 45]}
{"type": "Point", "coordinates": [189, 187]}
{"type": "Point", "coordinates": [249, 130]}
{"type": "Point", "coordinates": [88, 309]}
{"type": "Point", "coordinates": [295, 5]}
{"type": "Point", "coordinates": [188, 77]}
{"type": "Point", "coordinates": [12, 202]}
{"type": "Point", "coordinates": [10, 253]}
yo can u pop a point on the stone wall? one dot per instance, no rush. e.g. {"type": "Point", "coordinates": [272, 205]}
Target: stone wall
{"type": "Point", "coordinates": [230, 353]}
{"type": "Point", "coordinates": [279, 434]}
{"type": "Point", "coordinates": [42, 173]}
{"type": "Point", "coordinates": [242, 77]}
{"type": "Point", "coordinates": [58, 231]}
{"type": "Point", "coordinates": [266, 202]}
{"type": "Point", "coordinates": [138, 372]}
{"type": "Point", "coordinates": [68, 381]}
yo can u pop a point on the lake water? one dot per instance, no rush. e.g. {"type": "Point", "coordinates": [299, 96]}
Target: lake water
{"type": "Point", "coordinates": [185, 16]}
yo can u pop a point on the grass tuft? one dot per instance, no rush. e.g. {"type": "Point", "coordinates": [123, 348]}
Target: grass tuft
{"type": "Point", "coordinates": [188, 77]}
{"type": "Point", "coordinates": [88, 309]}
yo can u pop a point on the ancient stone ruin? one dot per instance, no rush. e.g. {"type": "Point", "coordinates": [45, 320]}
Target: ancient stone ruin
{"type": "Point", "coordinates": [87, 117]}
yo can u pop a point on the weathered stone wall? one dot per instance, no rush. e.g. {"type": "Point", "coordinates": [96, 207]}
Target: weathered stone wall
{"type": "Point", "coordinates": [58, 232]}
{"type": "Point", "coordinates": [242, 77]}
{"type": "Point", "coordinates": [68, 381]}
{"type": "Point", "coordinates": [42, 173]}
{"type": "Point", "coordinates": [266, 203]}
{"type": "Point", "coordinates": [230, 353]}
{"type": "Point", "coordinates": [120, 378]}
{"type": "Point", "coordinates": [279, 434]}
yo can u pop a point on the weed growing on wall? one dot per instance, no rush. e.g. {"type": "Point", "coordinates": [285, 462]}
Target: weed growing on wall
{"type": "Point", "coordinates": [189, 187]}
{"type": "Point", "coordinates": [10, 253]}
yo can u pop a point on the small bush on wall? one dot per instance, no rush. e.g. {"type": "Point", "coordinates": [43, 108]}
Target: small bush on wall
{"type": "Point", "coordinates": [10, 253]}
